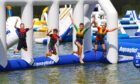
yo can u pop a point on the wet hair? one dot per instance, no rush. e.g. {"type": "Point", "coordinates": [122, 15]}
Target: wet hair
{"type": "Point", "coordinates": [81, 24]}
{"type": "Point", "coordinates": [55, 30]}
{"type": "Point", "coordinates": [104, 24]}
{"type": "Point", "coordinates": [21, 23]}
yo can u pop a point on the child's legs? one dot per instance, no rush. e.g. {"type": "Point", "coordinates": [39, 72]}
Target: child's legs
{"type": "Point", "coordinates": [18, 47]}
{"type": "Point", "coordinates": [54, 51]}
{"type": "Point", "coordinates": [74, 52]}
{"type": "Point", "coordinates": [16, 51]}
{"type": "Point", "coordinates": [96, 47]}
{"type": "Point", "coordinates": [103, 47]}
{"type": "Point", "coordinates": [80, 51]}
{"type": "Point", "coordinates": [49, 53]}
{"type": "Point", "coordinates": [50, 48]}
{"type": "Point", "coordinates": [24, 45]}
{"type": "Point", "coordinates": [79, 48]}
{"type": "Point", "coordinates": [25, 49]}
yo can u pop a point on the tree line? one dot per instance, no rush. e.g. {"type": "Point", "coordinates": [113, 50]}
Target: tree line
{"type": "Point", "coordinates": [121, 6]}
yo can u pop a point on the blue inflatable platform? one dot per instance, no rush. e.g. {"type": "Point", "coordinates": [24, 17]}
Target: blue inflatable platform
{"type": "Point", "coordinates": [136, 60]}
{"type": "Point", "coordinates": [43, 61]}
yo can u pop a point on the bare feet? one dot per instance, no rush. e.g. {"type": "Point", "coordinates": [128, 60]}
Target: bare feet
{"type": "Point", "coordinates": [81, 61]}
{"type": "Point", "coordinates": [25, 49]}
{"type": "Point", "coordinates": [48, 54]}
{"type": "Point", "coordinates": [16, 51]}
{"type": "Point", "coordinates": [74, 52]}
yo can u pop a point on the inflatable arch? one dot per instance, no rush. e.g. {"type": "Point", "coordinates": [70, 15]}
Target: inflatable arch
{"type": "Point", "coordinates": [27, 60]}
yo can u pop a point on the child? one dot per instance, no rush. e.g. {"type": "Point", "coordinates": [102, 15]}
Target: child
{"type": "Point", "coordinates": [102, 31]}
{"type": "Point", "coordinates": [22, 37]}
{"type": "Point", "coordinates": [80, 32]}
{"type": "Point", "coordinates": [53, 40]}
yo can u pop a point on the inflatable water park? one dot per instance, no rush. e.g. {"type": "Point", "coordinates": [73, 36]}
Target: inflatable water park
{"type": "Point", "coordinates": [121, 47]}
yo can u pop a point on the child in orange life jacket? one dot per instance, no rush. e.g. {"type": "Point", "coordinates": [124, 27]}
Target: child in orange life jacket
{"type": "Point", "coordinates": [102, 31]}
{"type": "Point", "coordinates": [22, 36]}
{"type": "Point", "coordinates": [53, 40]}
{"type": "Point", "coordinates": [80, 32]}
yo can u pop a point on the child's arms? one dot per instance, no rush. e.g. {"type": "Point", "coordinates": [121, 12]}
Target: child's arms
{"type": "Point", "coordinates": [94, 21]}
{"type": "Point", "coordinates": [73, 22]}
{"type": "Point", "coordinates": [48, 33]}
{"type": "Point", "coordinates": [32, 25]}
{"type": "Point", "coordinates": [113, 29]}
{"type": "Point", "coordinates": [16, 24]}
{"type": "Point", "coordinates": [89, 26]}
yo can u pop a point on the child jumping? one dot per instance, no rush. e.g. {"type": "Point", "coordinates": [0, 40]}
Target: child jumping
{"type": "Point", "coordinates": [53, 40]}
{"type": "Point", "coordinates": [22, 36]}
{"type": "Point", "coordinates": [80, 32]}
{"type": "Point", "coordinates": [102, 31]}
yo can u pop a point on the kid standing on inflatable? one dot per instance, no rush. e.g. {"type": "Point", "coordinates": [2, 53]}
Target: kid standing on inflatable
{"type": "Point", "coordinates": [102, 31]}
{"type": "Point", "coordinates": [80, 32]}
{"type": "Point", "coordinates": [22, 36]}
{"type": "Point", "coordinates": [53, 40]}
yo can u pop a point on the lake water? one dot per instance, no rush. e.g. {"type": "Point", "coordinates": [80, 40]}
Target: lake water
{"type": "Point", "coordinates": [89, 73]}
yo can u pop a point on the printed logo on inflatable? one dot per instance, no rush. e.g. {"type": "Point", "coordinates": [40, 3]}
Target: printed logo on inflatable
{"type": "Point", "coordinates": [45, 63]}
{"type": "Point", "coordinates": [128, 50]}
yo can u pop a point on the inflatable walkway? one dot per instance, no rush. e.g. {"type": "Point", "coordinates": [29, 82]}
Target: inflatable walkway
{"type": "Point", "coordinates": [130, 20]}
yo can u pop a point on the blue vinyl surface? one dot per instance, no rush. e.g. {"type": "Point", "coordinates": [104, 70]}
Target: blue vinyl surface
{"type": "Point", "coordinates": [125, 48]}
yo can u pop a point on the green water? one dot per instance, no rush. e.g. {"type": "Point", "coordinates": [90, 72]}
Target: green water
{"type": "Point", "coordinates": [91, 73]}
